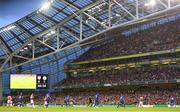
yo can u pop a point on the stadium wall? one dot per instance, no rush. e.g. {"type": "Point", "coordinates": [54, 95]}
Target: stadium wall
{"type": "Point", "coordinates": [6, 82]}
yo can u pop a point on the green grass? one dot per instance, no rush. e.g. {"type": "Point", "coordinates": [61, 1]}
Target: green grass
{"type": "Point", "coordinates": [88, 109]}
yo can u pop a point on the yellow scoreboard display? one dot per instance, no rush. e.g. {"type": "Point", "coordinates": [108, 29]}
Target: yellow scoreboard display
{"type": "Point", "coordinates": [23, 81]}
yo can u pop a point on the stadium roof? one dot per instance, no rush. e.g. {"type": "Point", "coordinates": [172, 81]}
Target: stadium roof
{"type": "Point", "coordinates": [61, 24]}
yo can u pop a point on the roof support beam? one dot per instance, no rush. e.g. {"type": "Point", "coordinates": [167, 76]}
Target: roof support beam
{"type": "Point", "coordinates": [77, 43]}
{"type": "Point", "coordinates": [78, 20]}
{"type": "Point", "coordinates": [5, 62]}
{"type": "Point", "coordinates": [162, 3]}
{"type": "Point", "coordinates": [72, 33]}
{"type": "Point", "coordinates": [63, 27]}
{"type": "Point", "coordinates": [57, 38]}
{"type": "Point", "coordinates": [169, 3]}
{"type": "Point", "coordinates": [122, 7]}
{"type": "Point", "coordinates": [43, 33]}
{"type": "Point", "coordinates": [73, 6]}
{"type": "Point", "coordinates": [81, 30]}
{"type": "Point", "coordinates": [33, 49]}
{"type": "Point", "coordinates": [137, 9]}
{"type": "Point", "coordinates": [46, 45]}
{"type": "Point", "coordinates": [109, 12]}
{"type": "Point", "coordinates": [69, 32]}
{"type": "Point", "coordinates": [46, 39]}
{"type": "Point", "coordinates": [22, 57]}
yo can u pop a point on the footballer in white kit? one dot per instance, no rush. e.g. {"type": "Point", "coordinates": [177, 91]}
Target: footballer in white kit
{"type": "Point", "coordinates": [141, 102]}
{"type": "Point", "coordinates": [32, 99]}
{"type": "Point", "coordinates": [9, 101]}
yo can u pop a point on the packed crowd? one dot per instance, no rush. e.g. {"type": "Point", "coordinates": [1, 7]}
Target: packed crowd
{"type": "Point", "coordinates": [150, 97]}
{"type": "Point", "coordinates": [123, 76]}
{"type": "Point", "coordinates": [161, 37]}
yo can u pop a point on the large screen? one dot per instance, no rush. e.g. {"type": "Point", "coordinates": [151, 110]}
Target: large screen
{"type": "Point", "coordinates": [23, 81]}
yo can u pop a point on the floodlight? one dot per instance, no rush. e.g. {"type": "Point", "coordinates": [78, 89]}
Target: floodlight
{"type": "Point", "coordinates": [53, 32]}
{"type": "Point", "coordinates": [118, 15]}
{"type": "Point", "coordinates": [22, 50]}
{"type": "Point", "coordinates": [46, 5]}
{"type": "Point", "coordinates": [8, 28]}
{"type": "Point", "coordinates": [30, 44]}
{"type": "Point", "coordinates": [25, 48]}
{"type": "Point", "coordinates": [50, 33]}
{"type": "Point", "coordinates": [152, 2]}
{"type": "Point", "coordinates": [146, 4]}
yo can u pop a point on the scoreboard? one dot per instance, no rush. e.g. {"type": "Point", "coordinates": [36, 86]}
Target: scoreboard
{"type": "Point", "coordinates": [29, 81]}
{"type": "Point", "coordinates": [23, 81]}
{"type": "Point", "coordinates": [42, 81]}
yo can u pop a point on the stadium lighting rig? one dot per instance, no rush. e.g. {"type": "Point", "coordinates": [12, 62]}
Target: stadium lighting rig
{"type": "Point", "coordinates": [21, 50]}
{"type": "Point", "coordinates": [118, 15]}
{"type": "Point", "coordinates": [30, 44]}
{"type": "Point", "coordinates": [45, 6]}
{"type": "Point", "coordinates": [25, 48]}
{"type": "Point", "coordinates": [98, 7]}
{"type": "Point", "coordinates": [50, 33]}
{"type": "Point", "coordinates": [151, 3]}
{"type": "Point", "coordinates": [8, 28]}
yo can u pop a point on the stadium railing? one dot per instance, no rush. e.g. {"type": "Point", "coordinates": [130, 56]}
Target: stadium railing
{"type": "Point", "coordinates": [150, 82]}
{"type": "Point", "coordinates": [137, 60]}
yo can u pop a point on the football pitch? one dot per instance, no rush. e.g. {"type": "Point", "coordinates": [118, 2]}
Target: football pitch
{"type": "Point", "coordinates": [88, 109]}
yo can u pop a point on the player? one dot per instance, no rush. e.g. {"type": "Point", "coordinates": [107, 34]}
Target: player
{"type": "Point", "coordinates": [141, 102]}
{"type": "Point", "coordinates": [65, 103]}
{"type": "Point", "coordinates": [96, 101]}
{"type": "Point", "coordinates": [9, 100]}
{"type": "Point", "coordinates": [171, 101]}
{"type": "Point", "coordinates": [46, 100]}
{"type": "Point", "coordinates": [20, 98]}
{"type": "Point", "coordinates": [32, 100]}
{"type": "Point", "coordinates": [90, 102]}
{"type": "Point", "coordinates": [121, 101]}
{"type": "Point", "coordinates": [67, 100]}
{"type": "Point", "coordinates": [72, 102]}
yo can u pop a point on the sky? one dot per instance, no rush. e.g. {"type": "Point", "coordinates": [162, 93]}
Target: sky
{"type": "Point", "coordinates": [13, 10]}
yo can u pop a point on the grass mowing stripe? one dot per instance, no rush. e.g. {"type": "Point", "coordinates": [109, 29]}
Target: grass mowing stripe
{"type": "Point", "coordinates": [87, 109]}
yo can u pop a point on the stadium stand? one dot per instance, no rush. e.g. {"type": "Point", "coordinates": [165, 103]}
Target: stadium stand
{"type": "Point", "coordinates": [152, 95]}
{"type": "Point", "coordinates": [158, 38]}
{"type": "Point", "coordinates": [123, 76]}
{"type": "Point", "coordinates": [138, 59]}
{"type": "Point", "coordinates": [164, 36]}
